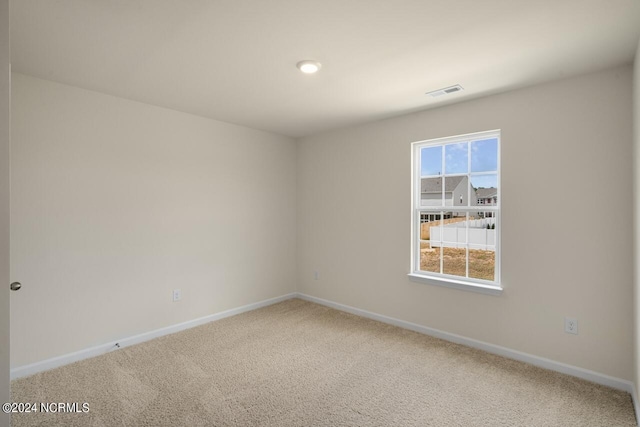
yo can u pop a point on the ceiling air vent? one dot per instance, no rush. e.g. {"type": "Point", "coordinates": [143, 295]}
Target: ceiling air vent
{"type": "Point", "coordinates": [445, 91]}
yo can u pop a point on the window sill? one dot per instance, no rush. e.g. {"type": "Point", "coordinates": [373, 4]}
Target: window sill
{"type": "Point", "coordinates": [456, 284]}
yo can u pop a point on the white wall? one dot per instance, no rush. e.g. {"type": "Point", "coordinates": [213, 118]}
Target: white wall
{"type": "Point", "coordinates": [564, 144]}
{"type": "Point", "coordinates": [116, 203]}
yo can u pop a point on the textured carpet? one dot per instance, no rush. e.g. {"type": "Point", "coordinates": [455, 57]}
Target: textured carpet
{"type": "Point", "coordinates": [301, 364]}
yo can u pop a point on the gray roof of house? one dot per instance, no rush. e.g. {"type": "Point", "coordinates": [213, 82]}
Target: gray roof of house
{"type": "Point", "coordinates": [485, 193]}
{"type": "Point", "coordinates": [434, 185]}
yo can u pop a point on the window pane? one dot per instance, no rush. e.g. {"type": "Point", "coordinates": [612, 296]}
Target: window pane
{"type": "Point", "coordinates": [456, 158]}
{"type": "Point", "coordinates": [431, 192]}
{"type": "Point", "coordinates": [431, 161]}
{"type": "Point", "coordinates": [429, 258]}
{"type": "Point", "coordinates": [484, 155]}
{"type": "Point", "coordinates": [456, 191]}
{"type": "Point", "coordinates": [454, 242]}
{"type": "Point", "coordinates": [486, 189]}
{"type": "Point", "coordinates": [482, 264]}
{"type": "Point", "coordinates": [454, 261]}
{"type": "Point", "coordinates": [482, 246]}
{"type": "Point", "coordinates": [430, 229]}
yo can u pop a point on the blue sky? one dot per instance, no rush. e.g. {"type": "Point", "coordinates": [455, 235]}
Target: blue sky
{"type": "Point", "coordinates": [456, 158]}
{"type": "Point", "coordinates": [431, 158]}
{"type": "Point", "coordinates": [484, 155]}
{"type": "Point", "coordinates": [485, 181]}
{"type": "Point", "coordinates": [484, 158]}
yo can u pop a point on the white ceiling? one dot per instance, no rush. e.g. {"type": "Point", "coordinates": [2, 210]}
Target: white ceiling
{"type": "Point", "coordinates": [234, 60]}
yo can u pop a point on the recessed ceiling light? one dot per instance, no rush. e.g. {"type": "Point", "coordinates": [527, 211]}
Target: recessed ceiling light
{"type": "Point", "coordinates": [308, 66]}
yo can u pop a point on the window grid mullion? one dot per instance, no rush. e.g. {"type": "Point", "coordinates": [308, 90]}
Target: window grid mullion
{"type": "Point", "coordinates": [442, 179]}
{"type": "Point", "coordinates": [441, 242]}
{"type": "Point", "coordinates": [468, 178]}
{"type": "Point", "coordinates": [466, 247]}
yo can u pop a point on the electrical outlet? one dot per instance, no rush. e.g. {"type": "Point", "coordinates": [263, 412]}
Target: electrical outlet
{"type": "Point", "coordinates": [316, 275]}
{"type": "Point", "coordinates": [571, 325]}
{"type": "Point", "coordinates": [177, 295]}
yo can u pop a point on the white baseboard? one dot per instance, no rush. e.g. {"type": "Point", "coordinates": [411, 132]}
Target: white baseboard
{"type": "Point", "coordinates": [634, 397]}
{"type": "Point", "coordinates": [542, 362]}
{"type": "Point", "coordinates": [45, 365]}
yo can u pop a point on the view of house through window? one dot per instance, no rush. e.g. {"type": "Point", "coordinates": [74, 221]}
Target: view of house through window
{"type": "Point", "coordinates": [456, 207]}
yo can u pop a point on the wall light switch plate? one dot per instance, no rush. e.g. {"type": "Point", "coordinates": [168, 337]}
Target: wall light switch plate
{"type": "Point", "coordinates": [177, 295]}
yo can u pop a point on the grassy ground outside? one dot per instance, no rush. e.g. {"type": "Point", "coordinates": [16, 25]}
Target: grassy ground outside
{"type": "Point", "coordinates": [481, 263]}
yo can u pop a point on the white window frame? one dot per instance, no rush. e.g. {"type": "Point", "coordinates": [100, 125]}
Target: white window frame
{"type": "Point", "coordinates": [465, 283]}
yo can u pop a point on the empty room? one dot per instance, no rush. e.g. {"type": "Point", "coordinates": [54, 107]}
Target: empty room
{"type": "Point", "coordinates": [319, 213]}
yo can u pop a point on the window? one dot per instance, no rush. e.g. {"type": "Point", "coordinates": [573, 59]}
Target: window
{"type": "Point", "coordinates": [456, 211]}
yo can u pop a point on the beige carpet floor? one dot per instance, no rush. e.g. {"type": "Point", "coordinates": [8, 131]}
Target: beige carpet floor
{"type": "Point", "coordinates": [301, 364]}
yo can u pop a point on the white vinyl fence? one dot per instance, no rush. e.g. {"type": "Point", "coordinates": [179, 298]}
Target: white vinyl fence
{"type": "Point", "coordinates": [455, 235]}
